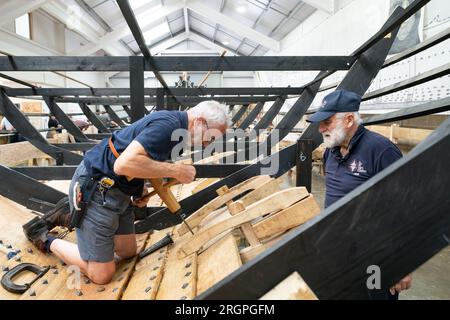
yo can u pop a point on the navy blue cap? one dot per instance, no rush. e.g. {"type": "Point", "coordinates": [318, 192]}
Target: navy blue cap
{"type": "Point", "coordinates": [337, 101]}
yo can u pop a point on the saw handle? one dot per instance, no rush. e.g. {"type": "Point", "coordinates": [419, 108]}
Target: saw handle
{"type": "Point", "coordinates": [164, 192]}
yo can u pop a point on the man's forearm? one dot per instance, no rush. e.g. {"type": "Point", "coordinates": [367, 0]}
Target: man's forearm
{"type": "Point", "coordinates": [145, 168]}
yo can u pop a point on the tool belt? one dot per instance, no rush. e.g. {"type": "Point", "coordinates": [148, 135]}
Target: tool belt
{"type": "Point", "coordinates": [82, 195]}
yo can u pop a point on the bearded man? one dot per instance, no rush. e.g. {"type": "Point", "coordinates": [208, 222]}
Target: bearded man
{"type": "Point", "coordinates": [353, 155]}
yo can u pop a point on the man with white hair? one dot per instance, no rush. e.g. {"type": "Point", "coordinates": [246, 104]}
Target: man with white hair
{"type": "Point", "coordinates": [138, 151]}
{"type": "Point", "coordinates": [353, 155]}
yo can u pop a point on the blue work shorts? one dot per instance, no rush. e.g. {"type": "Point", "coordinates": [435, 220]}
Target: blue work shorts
{"type": "Point", "coordinates": [95, 237]}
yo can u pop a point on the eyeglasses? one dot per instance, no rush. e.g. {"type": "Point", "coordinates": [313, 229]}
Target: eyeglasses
{"type": "Point", "coordinates": [211, 138]}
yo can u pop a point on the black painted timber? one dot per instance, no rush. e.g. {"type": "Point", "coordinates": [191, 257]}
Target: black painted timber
{"type": "Point", "coordinates": [422, 78]}
{"type": "Point", "coordinates": [240, 63]}
{"type": "Point", "coordinates": [185, 101]}
{"type": "Point", "coordinates": [79, 146]}
{"type": "Point", "coordinates": [137, 88]}
{"type": "Point", "coordinates": [431, 107]}
{"type": "Point", "coordinates": [114, 117]}
{"type": "Point", "coordinates": [436, 39]}
{"type": "Point", "coordinates": [28, 192]}
{"type": "Point", "coordinates": [127, 110]}
{"type": "Point", "coordinates": [268, 117]}
{"type": "Point", "coordinates": [26, 129]}
{"type": "Point", "coordinates": [92, 117]}
{"type": "Point", "coordinates": [251, 116]}
{"type": "Point", "coordinates": [64, 120]}
{"type": "Point", "coordinates": [66, 172]}
{"type": "Point", "coordinates": [239, 113]}
{"type": "Point", "coordinates": [98, 92]}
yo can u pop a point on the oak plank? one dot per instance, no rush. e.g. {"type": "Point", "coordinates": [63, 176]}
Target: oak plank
{"type": "Point", "coordinates": [289, 218]}
{"type": "Point", "coordinates": [194, 219]}
{"type": "Point", "coordinates": [217, 262]}
{"type": "Point", "coordinates": [278, 201]}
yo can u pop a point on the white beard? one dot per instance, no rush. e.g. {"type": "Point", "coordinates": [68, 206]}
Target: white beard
{"type": "Point", "coordinates": [334, 138]}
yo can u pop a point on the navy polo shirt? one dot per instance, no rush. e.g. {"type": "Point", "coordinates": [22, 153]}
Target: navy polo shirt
{"type": "Point", "coordinates": [368, 154]}
{"type": "Point", "coordinates": [153, 132]}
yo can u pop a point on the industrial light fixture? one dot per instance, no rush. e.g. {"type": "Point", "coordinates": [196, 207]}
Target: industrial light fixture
{"type": "Point", "coordinates": [242, 8]}
{"type": "Point", "coordinates": [225, 43]}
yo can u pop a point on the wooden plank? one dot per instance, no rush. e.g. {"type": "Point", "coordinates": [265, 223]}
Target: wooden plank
{"type": "Point", "coordinates": [289, 218]}
{"type": "Point", "coordinates": [217, 262]}
{"type": "Point", "coordinates": [146, 279]}
{"type": "Point", "coordinates": [12, 154]}
{"type": "Point", "coordinates": [110, 291]}
{"type": "Point", "coordinates": [154, 237]}
{"type": "Point", "coordinates": [204, 183]}
{"type": "Point", "coordinates": [291, 288]}
{"type": "Point", "coordinates": [251, 252]}
{"type": "Point", "coordinates": [194, 219]}
{"type": "Point", "coordinates": [263, 191]}
{"type": "Point", "coordinates": [179, 279]}
{"type": "Point", "coordinates": [275, 202]}
{"type": "Point", "coordinates": [148, 274]}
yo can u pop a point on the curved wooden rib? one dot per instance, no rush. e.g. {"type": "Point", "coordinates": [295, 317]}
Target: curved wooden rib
{"type": "Point", "coordinates": [250, 184]}
{"type": "Point", "coordinates": [278, 201]}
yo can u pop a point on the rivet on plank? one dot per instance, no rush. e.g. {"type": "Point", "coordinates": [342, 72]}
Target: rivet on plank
{"type": "Point", "coordinates": [18, 259]}
{"type": "Point", "coordinates": [29, 250]}
{"type": "Point", "coordinates": [125, 270]}
{"type": "Point", "coordinates": [5, 269]}
{"type": "Point", "coordinates": [9, 246]}
{"type": "Point", "coordinates": [160, 258]}
{"type": "Point", "coordinates": [120, 279]}
{"type": "Point", "coordinates": [78, 293]}
{"type": "Point", "coordinates": [32, 293]}
{"type": "Point", "coordinates": [188, 274]}
{"type": "Point", "coordinates": [100, 289]}
{"type": "Point", "coordinates": [188, 265]}
{"type": "Point", "coordinates": [55, 271]}
{"type": "Point", "coordinates": [152, 278]}
{"type": "Point", "coordinates": [161, 251]}
{"type": "Point", "coordinates": [184, 286]}
{"type": "Point", "coordinates": [86, 280]}
{"type": "Point", "coordinates": [155, 268]}
{"type": "Point", "coordinates": [63, 263]}
{"type": "Point", "coordinates": [183, 298]}
{"type": "Point", "coordinates": [45, 281]}
{"type": "Point", "coordinates": [148, 289]}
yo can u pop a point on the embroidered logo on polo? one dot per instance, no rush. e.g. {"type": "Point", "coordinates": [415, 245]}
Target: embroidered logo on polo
{"type": "Point", "coordinates": [356, 167]}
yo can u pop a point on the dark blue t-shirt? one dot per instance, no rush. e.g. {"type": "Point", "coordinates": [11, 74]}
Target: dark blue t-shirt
{"type": "Point", "coordinates": [153, 132]}
{"type": "Point", "coordinates": [368, 154]}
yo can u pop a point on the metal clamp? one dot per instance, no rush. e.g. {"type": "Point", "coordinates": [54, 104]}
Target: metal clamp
{"type": "Point", "coordinates": [7, 279]}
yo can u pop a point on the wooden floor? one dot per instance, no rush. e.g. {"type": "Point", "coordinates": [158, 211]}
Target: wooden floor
{"type": "Point", "coordinates": [225, 238]}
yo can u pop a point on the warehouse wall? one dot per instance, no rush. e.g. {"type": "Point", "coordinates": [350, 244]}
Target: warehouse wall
{"type": "Point", "coordinates": [353, 24]}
